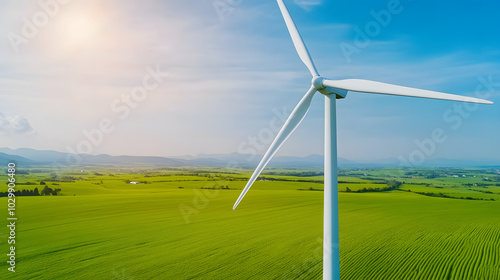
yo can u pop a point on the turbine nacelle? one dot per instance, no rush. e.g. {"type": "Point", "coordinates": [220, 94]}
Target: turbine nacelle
{"type": "Point", "coordinates": [317, 83]}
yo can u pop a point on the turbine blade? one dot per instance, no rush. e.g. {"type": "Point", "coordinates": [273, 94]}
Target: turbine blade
{"type": "Point", "coordinates": [383, 88]}
{"type": "Point", "coordinates": [297, 40]}
{"type": "Point", "coordinates": [288, 128]}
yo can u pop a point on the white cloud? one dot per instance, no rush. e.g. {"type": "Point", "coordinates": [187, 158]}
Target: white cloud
{"type": "Point", "coordinates": [308, 4]}
{"type": "Point", "coordinates": [15, 125]}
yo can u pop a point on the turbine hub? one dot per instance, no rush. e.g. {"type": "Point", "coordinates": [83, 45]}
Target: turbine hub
{"type": "Point", "coordinates": [317, 82]}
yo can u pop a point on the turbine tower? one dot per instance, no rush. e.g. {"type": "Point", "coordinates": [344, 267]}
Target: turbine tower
{"type": "Point", "coordinates": [332, 90]}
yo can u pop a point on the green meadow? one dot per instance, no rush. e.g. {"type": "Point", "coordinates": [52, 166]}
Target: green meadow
{"type": "Point", "coordinates": [178, 223]}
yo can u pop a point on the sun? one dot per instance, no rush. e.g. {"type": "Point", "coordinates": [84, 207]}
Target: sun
{"type": "Point", "coordinates": [79, 29]}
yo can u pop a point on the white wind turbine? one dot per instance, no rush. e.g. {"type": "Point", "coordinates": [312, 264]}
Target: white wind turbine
{"type": "Point", "coordinates": [332, 89]}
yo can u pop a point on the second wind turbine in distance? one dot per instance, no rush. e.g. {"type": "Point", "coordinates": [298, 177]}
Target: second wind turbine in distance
{"type": "Point", "coordinates": [332, 90]}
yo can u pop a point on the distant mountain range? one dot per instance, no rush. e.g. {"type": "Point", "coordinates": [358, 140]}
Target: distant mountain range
{"type": "Point", "coordinates": [31, 157]}
{"type": "Point", "coordinates": [8, 158]}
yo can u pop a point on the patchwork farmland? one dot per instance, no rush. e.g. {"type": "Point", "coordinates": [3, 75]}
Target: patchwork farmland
{"type": "Point", "coordinates": [177, 223]}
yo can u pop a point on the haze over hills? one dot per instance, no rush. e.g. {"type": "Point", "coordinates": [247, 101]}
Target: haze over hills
{"type": "Point", "coordinates": [26, 156]}
{"type": "Point", "coordinates": [8, 158]}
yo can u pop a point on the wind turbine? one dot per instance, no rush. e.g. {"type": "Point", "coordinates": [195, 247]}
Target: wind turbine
{"type": "Point", "coordinates": [332, 90]}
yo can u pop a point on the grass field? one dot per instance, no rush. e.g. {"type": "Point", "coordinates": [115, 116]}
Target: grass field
{"type": "Point", "coordinates": [178, 226]}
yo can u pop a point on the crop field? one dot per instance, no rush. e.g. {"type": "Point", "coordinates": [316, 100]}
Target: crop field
{"type": "Point", "coordinates": [178, 223]}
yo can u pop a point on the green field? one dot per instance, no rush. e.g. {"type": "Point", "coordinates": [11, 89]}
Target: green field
{"type": "Point", "coordinates": [178, 224]}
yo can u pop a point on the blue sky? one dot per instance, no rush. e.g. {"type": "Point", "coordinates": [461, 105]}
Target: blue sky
{"type": "Point", "coordinates": [228, 70]}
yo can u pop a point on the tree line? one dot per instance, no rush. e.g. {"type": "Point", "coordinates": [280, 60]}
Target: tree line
{"type": "Point", "coordinates": [35, 192]}
{"type": "Point", "coordinates": [391, 185]}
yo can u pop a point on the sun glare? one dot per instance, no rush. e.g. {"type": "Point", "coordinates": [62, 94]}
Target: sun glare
{"type": "Point", "coordinates": [77, 30]}
{"type": "Point", "coordinates": [80, 30]}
